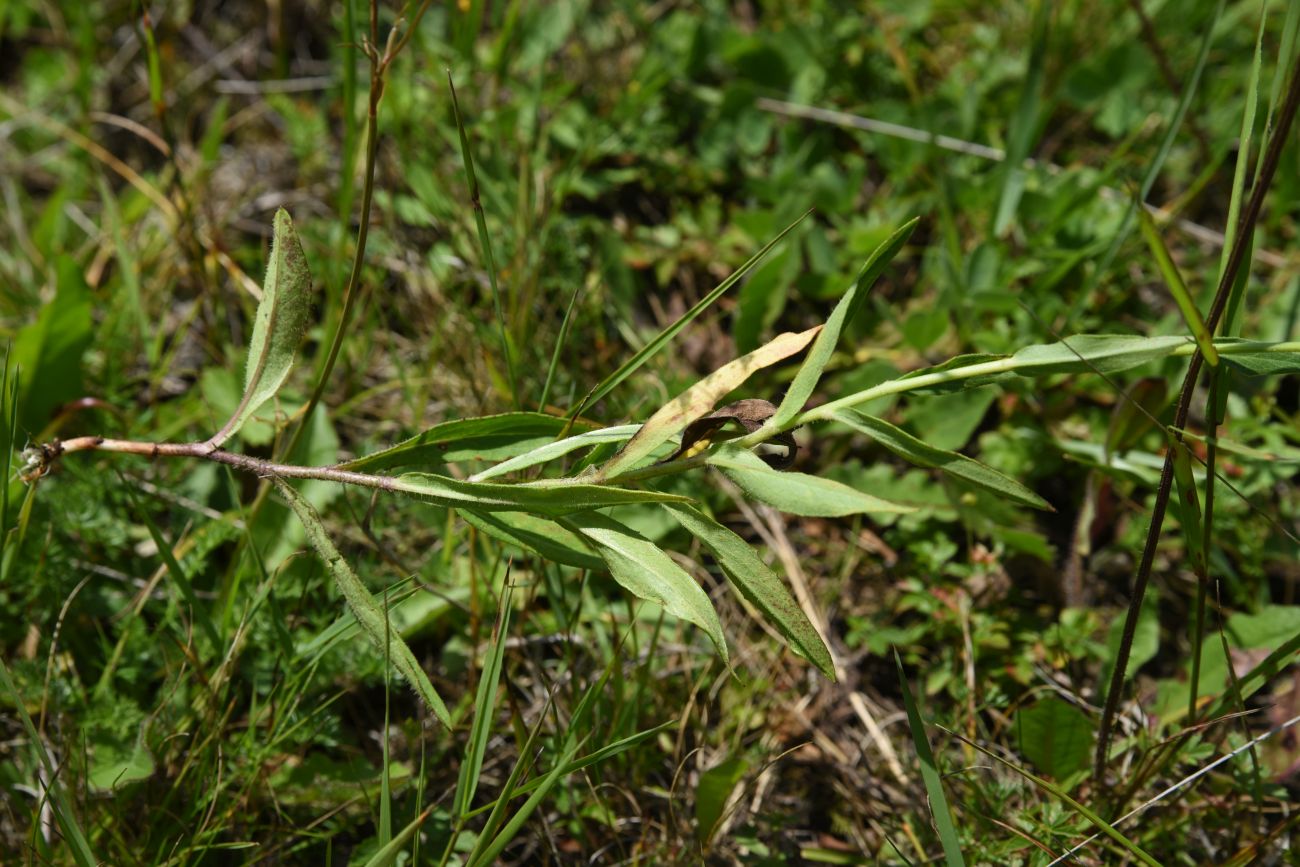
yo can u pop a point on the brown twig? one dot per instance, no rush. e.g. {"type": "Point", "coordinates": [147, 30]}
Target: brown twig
{"type": "Point", "coordinates": [41, 459]}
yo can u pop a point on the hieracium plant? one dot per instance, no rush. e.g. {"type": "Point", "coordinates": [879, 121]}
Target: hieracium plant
{"type": "Point", "coordinates": [561, 517]}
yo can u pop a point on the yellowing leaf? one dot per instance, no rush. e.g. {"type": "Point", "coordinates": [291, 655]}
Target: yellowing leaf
{"type": "Point", "coordinates": [697, 400]}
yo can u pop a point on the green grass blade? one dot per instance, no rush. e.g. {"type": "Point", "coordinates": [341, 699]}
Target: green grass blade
{"type": "Point", "coordinates": [849, 304]}
{"type": "Point", "coordinates": [387, 854]}
{"type": "Point", "coordinates": [485, 241]}
{"type": "Point", "coordinates": [750, 576]}
{"type": "Point", "coordinates": [59, 804]}
{"type": "Point", "coordinates": [559, 346]}
{"type": "Point", "coordinates": [930, 775]}
{"type": "Point", "coordinates": [484, 708]}
{"type": "Point", "coordinates": [1162, 153]}
{"type": "Point", "coordinates": [1106, 828]}
{"type": "Point", "coordinates": [198, 610]}
{"type": "Point", "coordinates": [1177, 288]}
{"type": "Point", "coordinates": [489, 853]}
{"type": "Point", "coordinates": [373, 619]}
{"type": "Point", "coordinates": [661, 339]}
{"type": "Point", "coordinates": [1025, 121]}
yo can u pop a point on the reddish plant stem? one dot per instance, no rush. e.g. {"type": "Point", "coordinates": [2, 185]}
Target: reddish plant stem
{"type": "Point", "coordinates": [1241, 243]}
{"type": "Point", "coordinates": [203, 451]}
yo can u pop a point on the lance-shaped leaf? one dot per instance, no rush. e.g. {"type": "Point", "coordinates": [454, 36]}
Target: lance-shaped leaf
{"type": "Point", "coordinates": [697, 400]}
{"type": "Point", "coordinates": [642, 568]}
{"type": "Point", "coordinates": [489, 437]}
{"type": "Point", "coordinates": [806, 379]}
{"type": "Point", "coordinates": [1177, 288]}
{"type": "Point", "coordinates": [534, 533]}
{"type": "Point", "coordinates": [911, 449]}
{"type": "Point", "coordinates": [368, 613]}
{"type": "Point", "coordinates": [541, 498]}
{"type": "Point", "coordinates": [281, 322]}
{"type": "Point", "coordinates": [552, 450]}
{"type": "Point", "coordinates": [759, 584]}
{"type": "Point", "coordinates": [797, 493]}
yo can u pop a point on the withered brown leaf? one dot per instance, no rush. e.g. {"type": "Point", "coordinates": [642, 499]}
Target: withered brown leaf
{"type": "Point", "coordinates": [750, 414]}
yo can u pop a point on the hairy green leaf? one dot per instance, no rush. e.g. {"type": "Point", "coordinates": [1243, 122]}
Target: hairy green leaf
{"type": "Point", "coordinates": [559, 448]}
{"type": "Point", "coordinates": [642, 568]}
{"type": "Point", "coordinates": [369, 615]}
{"type": "Point", "coordinates": [542, 498]}
{"type": "Point", "coordinates": [486, 437]}
{"type": "Point", "coordinates": [534, 533]}
{"type": "Point", "coordinates": [282, 318]}
{"type": "Point", "coordinates": [797, 493]}
{"type": "Point", "coordinates": [806, 379]}
{"type": "Point", "coordinates": [759, 584]}
{"type": "Point", "coordinates": [911, 449]}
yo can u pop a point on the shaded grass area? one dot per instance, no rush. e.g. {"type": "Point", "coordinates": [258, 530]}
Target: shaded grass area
{"type": "Point", "coordinates": [186, 660]}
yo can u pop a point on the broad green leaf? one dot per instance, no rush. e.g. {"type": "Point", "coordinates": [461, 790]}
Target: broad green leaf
{"type": "Point", "coordinates": [534, 533]}
{"type": "Point", "coordinates": [543, 498]}
{"type": "Point", "coordinates": [370, 615]}
{"type": "Point", "coordinates": [759, 584]}
{"type": "Point", "coordinates": [806, 379]}
{"type": "Point", "coordinates": [711, 795]}
{"type": "Point", "coordinates": [1055, 736]}
{"type": "Point", "coordinates": [1177, 288]}
{"type": "Point", "coordinates": [559, 448]}
{"type": "Point", "coordinates": [489, 435]}
{"type": "Point", "coordinates": [911, 449]}
{"type": "Point", "coordinates": [797, 493]}
{"type": "Point", "coordinates": [697, 400]}
{"type": "Point", "coordinates": [282, 319]}
{"type": "Point", "coordinates": [930, 776]}
{"type": "Point", "coordinates": [114, 765]}
{"type": "Point", "coordinates": [1258, 358]}
{"type": "Point", "coordinates": [46, 354]}
{"type": "Point", "coordinates": [642, 568]}
{"type": "Point", "coordinates": [660, 340]}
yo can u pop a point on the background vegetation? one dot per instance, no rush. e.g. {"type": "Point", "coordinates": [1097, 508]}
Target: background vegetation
{"type": "Point", "coordinates": [186, 659]}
